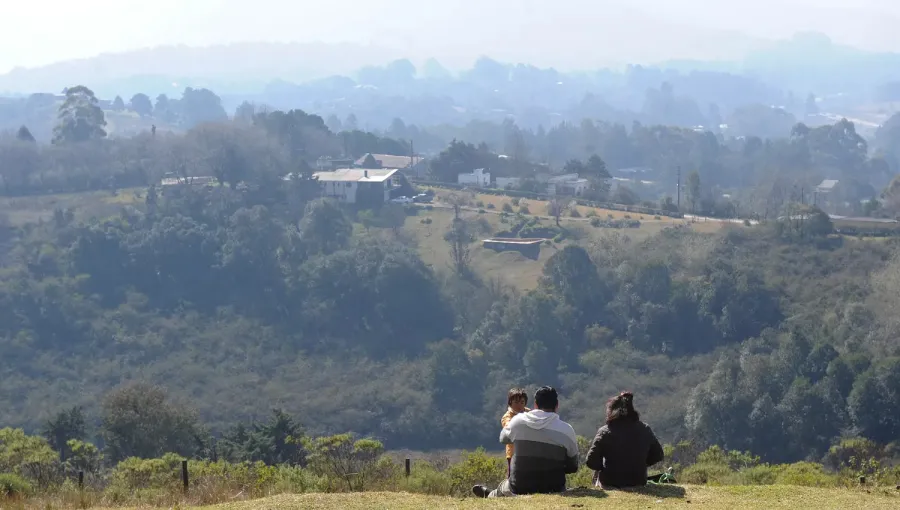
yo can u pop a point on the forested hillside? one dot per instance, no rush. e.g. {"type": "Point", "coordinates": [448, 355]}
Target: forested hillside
{"type": "Point", "coordinates": [254, 294]}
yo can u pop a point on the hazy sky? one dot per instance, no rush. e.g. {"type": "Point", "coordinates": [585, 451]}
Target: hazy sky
{"type": "Point", "coordinates": [38, 32]}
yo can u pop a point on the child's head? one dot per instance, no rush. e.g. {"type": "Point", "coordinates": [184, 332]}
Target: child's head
{"type": "Point", "coordinates": [517, 399]}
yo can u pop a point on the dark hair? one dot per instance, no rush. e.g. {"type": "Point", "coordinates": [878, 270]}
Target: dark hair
{"type": "Point", "coordinates": [621, 408]}
{"type": "Point", "coordinates": [546, 398]}
{"type": "Point", "coordinates": [516, 394]}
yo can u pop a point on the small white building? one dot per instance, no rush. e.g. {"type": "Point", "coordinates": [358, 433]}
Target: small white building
{"type": "Point", "coordinates": [344, 185]}
{"type": "Point", "coordinates": [478, 178]}
{"type": "Point", "coordinates": [509, 182]}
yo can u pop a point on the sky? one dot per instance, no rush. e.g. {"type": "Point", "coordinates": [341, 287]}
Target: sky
{"type": "Point", "coordinates": [562, 33]}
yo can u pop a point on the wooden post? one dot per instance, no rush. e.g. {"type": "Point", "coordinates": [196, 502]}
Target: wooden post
{"type": "Point", "coordinates": [184, 475]}
{"type": "Point", "coordinates": [407, 468]}
{"type": "Point", "coordinates": [862, 480]}
{"type": "Point", "coordinates": [81, 480]}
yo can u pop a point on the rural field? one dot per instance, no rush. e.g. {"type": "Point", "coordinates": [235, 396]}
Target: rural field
{"type": "Point", "coordinates": [512, 268]}
{"type": "Point", "coordinates": [711, 498]}
{"type": "Point", "coordinates": [18, 211]}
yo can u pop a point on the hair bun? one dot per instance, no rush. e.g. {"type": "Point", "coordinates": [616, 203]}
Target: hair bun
{"type": "Point", "coordinates": [627, 396]}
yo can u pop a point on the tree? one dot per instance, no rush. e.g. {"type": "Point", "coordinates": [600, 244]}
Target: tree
{"type": "Point", "coordinates": [24, 135]}
{"type": "Point", "coordinates": [277, 441]}
{"type": "Point", "coordinates": [139, 420]}
{"type": "Point", "coordinates": [574, 166]}
{"type": "Point", "coordinates": [79, 117]}
{"type": "Point", "coordinates": [324, 228]}
{"type": "Point", "coordinates": [163, 109]}
{"type": "Point", "coordinates": [557, 206]}
{"type": "Point", "coordinates": [345, 459]}
{"type": "Point", "coordinates": [370, 162]}
{"type": "Point", "coordinates": [118, 104]}
{"type": "Point", "coordinates": [459, 238]}
{"type": "Point", "coordinates": [596, 168]}
{"type": "Point", "coordinates": [141, 105]}
{"type": "Point", "coordinates": [454, 379]}
{"type": "Point", "coordinates": [27, 456]}
{"type": "Point", "coordinates": [245, 112]}
{"type": "Point", "coordinates": [693, 189]}
{"type": "Point", "coordinates": [350, 123]}
{"type": "Point", "coordinates": [811, 107]}
{"type": "Point", "coordinates": [65, 426]}
{"type": "Point", "coordinates": [624, 195]}
{"type": "Point", "coordinates": [200, 106]}
{"type": "Point", "coordinates": [85, 457]}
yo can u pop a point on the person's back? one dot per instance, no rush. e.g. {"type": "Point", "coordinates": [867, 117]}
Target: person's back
{"type": "Point", "coordinates": [624, 447]}
{"type": "Point", "coordinates": [546, 450]}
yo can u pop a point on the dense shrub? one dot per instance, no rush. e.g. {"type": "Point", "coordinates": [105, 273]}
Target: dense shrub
{"type": "Point", "coordinates": [14, 486]}
{"type": "Point", "coordinates": [705, 473]}
{"type": "Point", "coordinates": [806, 474]}
{"type": "Point", "coordinates": [476, 468]}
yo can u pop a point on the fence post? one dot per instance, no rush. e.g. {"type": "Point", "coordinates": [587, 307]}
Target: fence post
{"type": "Point", "coordinates": [407, 468]}
{"type": "Point", "coordinates": [184, 475]}
{"type": "Point", "coordinates": [81, 480]}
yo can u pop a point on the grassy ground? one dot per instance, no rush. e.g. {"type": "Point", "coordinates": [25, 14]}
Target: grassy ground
{"type": "Point", "coordinates": [31, 209]}
{"type": "Point", "coordinates": [512, 268]}
{"type": "Point", "coordinates": [737, 498]}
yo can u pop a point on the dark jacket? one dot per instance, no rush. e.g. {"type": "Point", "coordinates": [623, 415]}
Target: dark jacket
{"type": "Point", "coordinates": [621, 453]}
{"type": "Point", "coordinates": [546, 449]}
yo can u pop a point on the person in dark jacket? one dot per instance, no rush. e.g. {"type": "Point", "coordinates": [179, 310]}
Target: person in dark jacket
{"type": "Point", "coordinates": [624, 448]}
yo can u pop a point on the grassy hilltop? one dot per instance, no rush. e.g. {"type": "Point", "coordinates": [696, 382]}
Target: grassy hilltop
{"type": "Point", "coordinates": [707, 498]}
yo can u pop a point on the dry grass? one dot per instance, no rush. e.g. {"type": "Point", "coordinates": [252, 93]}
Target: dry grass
{"type": "Point", "coordinates": [737, 498]}
{"type": "Point", "coordinates": [513, 268]}
{"type": "Point", "coordinates": [539, 207]}
{"type": "Point", "coordinates": [32, 209]}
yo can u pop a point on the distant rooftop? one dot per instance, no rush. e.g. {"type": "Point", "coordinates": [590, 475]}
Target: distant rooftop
{"type": "Point", "coordinates": [392, 161]}
{"type": "Point", "coordinates": [827, 185]}
{"type": "Point", "coordinates": [356, 175]}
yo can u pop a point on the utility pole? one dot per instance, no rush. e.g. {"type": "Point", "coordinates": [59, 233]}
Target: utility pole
{"type": "Point", "coordinates": [678, 188]}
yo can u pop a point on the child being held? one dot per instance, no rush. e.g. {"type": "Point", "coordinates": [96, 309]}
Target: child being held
{"type": "Point", "coordinates": [516, 400]}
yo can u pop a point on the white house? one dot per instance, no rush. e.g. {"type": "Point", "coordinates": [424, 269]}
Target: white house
{"type": "Point", "coordinates": [347, 184]}
{"type": "Point", "coordinates": [478, 178]}
{"type": "Point", "coordinates": [568, 184]}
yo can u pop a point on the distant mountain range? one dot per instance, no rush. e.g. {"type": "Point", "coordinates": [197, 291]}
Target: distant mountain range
{"type": "Point", "coordinates": [227, 69]}
{"type": "Point", "coordinates": [808, 62]}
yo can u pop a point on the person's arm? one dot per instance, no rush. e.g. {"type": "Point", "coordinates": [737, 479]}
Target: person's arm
{"type": "Point", "coordinates": [506, 433]}
{"type": "Point", "coordinates": [571, 451]}
{"type": "Point", "coordinates": [594, 458]}
{"type": "Point", "coordinates": [656, 453]}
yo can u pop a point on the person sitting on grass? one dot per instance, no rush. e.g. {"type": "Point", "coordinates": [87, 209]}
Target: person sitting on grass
{"type": "Point", "coordinates": [546, 450]}
{"type": "Point", "coordinates": [516, 402]}
{"type": "Point", "coordinates": [624, 448]}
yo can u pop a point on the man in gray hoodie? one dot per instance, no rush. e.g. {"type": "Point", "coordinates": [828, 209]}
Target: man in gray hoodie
{"type": "Point", "coordinates": [546, 449]}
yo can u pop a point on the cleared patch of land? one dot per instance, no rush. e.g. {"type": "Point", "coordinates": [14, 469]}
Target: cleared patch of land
{"type": "Point", "coordinates": [20, 211]}
{"type": "Point", "coordinates": [512, 268]}
{"type": "Point", "coordinates": [736, 498]}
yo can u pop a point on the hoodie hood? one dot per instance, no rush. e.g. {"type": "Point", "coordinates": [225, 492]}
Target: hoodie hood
{"type": "Point", "coordinates": [538, 419]}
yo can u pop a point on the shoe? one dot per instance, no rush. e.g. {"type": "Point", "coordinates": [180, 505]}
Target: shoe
{"type": "Point", "coordinates": [480, 491]}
